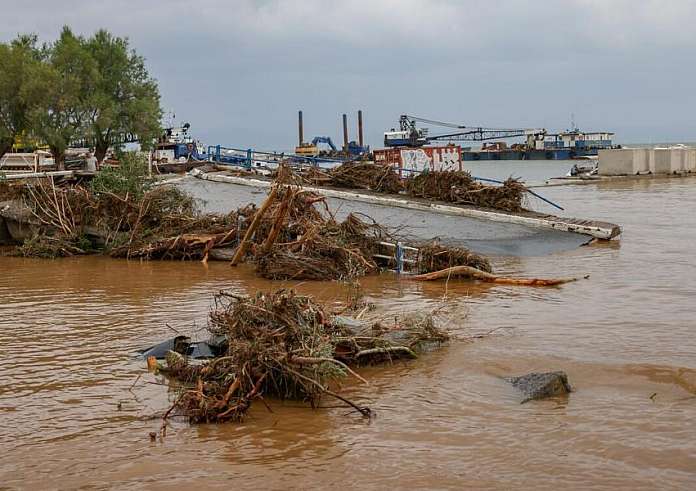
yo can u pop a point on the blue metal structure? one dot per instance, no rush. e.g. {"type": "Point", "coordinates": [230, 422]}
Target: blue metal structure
{"type": "Point", "coordinates": [354, 149]}
{"type": "Point", "coordinates": [250, 158]}
{"type": "Point", "coordinates": [324, 139]}
{"type": "Point", "coordinates": [188, 151]}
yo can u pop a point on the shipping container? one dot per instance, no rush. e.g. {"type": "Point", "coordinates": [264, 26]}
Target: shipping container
{"type": "Point", "coordinates": [410, 160]}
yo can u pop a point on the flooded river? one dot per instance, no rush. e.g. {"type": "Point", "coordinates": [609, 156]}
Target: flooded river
{"type": "Point", "coordinates": [76, 407]}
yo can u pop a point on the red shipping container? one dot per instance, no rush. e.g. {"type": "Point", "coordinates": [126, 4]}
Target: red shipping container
{"type": "Point", "coordinates": [410, 160]}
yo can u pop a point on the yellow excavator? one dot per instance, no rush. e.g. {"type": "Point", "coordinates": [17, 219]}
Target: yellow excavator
{"type": "Point", "coordinates": [312, 149]}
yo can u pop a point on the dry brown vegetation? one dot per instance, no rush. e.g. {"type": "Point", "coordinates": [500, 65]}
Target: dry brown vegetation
{"type": "Point", "coordinates": [286, 346]}
{"type": "Point", "coordinates": [450, 186]}
{"type": "Point", "coordinates": [460, 188]}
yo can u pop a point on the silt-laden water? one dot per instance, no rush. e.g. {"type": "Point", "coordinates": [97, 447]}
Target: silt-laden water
{"type": "Point", "coordinates": [76, 408]}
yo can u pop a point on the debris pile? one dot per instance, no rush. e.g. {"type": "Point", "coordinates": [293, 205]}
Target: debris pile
{"type": "Point", "coordinates": [284, 345]}
{"type": "Point", "coordinates": [289, 237]}
{"type": "Point", "coordinates": [161, 223]}
{"type": "Point", "coordinates": [449, 186]}
{"type": "Point", "coordinates": [380, 178]}
{"type": "Point", "coordinates": [292, 236]}
{"type": "Point", "coordinates": [60, 213]}
{"type": "Point", "coordinates": [165, 224]}
{"type": "Point", "coordinates": [9, 191]}
{"type": "Point", "coordinates": [436, 257]}
{"type": "Point", "coordinates": [460, 188]}
{"type": "Point", "coordinates": [302, 243]}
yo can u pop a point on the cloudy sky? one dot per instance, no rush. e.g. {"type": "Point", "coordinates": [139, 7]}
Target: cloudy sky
{"type": "Point", "coordinates": [238, 70]}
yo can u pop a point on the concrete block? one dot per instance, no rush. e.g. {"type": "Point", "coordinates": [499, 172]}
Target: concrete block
{"type": "Point", "coordinates": [688, 160]}
{"type": "Point", "coordinates": [625, 161]}
{"type": "Point", "coordinates": [667, 161]}
{"type": "Point", "coordinates": [691, 159]}
{"type": "Point", "coordinates": [617, 162]}
{"type": "Point", "coordinates": [642, 160]}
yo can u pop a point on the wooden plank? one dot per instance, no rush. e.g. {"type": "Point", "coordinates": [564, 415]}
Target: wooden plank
{"type": "Point", "coordinates": [32, 175]}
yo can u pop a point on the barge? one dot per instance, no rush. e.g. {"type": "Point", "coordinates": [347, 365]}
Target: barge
{"type": "Point", "coordinates": [566, 145]}
{"type": "Point", "coordinates": [539, 144]}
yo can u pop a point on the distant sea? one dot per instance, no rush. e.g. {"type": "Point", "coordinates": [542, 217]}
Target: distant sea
{"type": "Point", "coordinates": [657, 144]}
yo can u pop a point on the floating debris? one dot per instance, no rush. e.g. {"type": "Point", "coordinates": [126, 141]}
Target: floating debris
{"type": "Point", "coordinates": [457, 187]}
{"type": "Point", "coordinates": [477, 274]}
{"type": "Point", "coordinates": [460, 188]}
{"type": "Point", "coordinates": [285, 345]}
{"type": "Point", "coordinates": [380, 178]}
{"type": "Point", "coordinates": [292, 236]}
{"type": "Point", "coordinates": [436, 257]}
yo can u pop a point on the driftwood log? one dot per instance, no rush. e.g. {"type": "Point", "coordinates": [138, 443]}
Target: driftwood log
{"type": "Point", "coordinates": [477, 274]}
{"type": "Point", "coordinates": [244, 245]}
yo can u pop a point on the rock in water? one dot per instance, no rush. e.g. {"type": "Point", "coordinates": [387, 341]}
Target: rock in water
{"type": "Point", "coordinates": [541, 385]}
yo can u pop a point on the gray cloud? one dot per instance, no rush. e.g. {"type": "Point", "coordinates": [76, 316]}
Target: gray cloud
{"type": "Point", "coordinates": [239, 70]}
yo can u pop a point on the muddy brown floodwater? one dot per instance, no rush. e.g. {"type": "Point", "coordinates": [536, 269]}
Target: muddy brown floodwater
{"type": "Point", "coordinates": [626, 337]}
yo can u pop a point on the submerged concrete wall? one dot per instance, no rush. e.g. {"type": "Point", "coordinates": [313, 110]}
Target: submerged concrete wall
{"type": "Point", "coordinates": [631, 161]}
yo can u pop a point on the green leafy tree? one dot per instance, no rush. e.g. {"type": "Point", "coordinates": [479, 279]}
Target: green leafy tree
{"type": "Point", "coordinates": [18, 59]}
{"type": "Point", "coordinates": [123, 97]}
{"type": "Point", "coordinates": [58, 89]}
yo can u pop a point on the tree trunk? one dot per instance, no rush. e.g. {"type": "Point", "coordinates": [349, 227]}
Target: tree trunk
{"type": "Point", "coordinates": [58, 157]}
{"type": "Point", "coordinates": [100, 152]}
{"type": "Point", "coordinates": [244, 244]}
{"type": "Point", "coordinates": [5, 146]}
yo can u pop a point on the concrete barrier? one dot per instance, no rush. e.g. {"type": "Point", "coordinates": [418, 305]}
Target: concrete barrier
{"type": "Point", "coordinates": [632, 161]}
{"type": "Point", "coordinates": [616, 162]}
{"type": "Point", "coordinates": [663, 161]}
{"type": "Point", "coordinates": [644, 160]}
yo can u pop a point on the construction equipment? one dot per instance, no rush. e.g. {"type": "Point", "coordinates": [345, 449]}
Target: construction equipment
{"type": "Point", "coordinates": [324, 139]}
{"type": "Point", "coordinates": [350, 149]}
{"type": "Point", "coordinates": [353, 148]}
{"type": "Point", "coordinates": [312, 149]}
{"type": "Point", "coordinates": [307, 150]}
{"type": "Point", "coordinates": [409, 135]}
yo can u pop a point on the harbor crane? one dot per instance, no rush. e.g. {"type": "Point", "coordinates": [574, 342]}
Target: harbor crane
{"type": "Point", "coordinates": [409, 135]}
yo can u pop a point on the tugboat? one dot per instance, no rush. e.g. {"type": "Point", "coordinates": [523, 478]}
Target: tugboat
{"type": "Point", "coordinates": [177, 151]}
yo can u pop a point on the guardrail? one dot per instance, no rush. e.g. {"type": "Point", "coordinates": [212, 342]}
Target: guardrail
{"type": "Point", "coordinates": [247, 158]}
{"type": "Point", "coordinates": [398, 257]}
{"type": "Point", "coordinates": [19, 162]}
